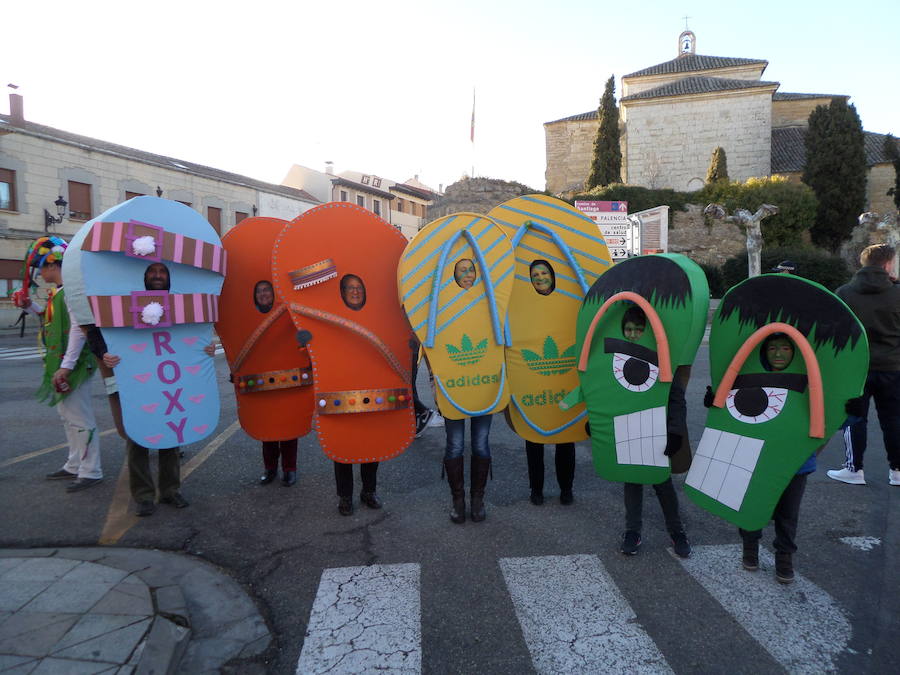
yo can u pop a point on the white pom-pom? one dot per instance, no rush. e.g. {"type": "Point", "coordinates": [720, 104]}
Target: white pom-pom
{"type": "Point", "coordinates": [152, 313]}
{"type": "Point", "coordinates": [144, 245]}
{"type": "Point", "coordinates": [58, 249]}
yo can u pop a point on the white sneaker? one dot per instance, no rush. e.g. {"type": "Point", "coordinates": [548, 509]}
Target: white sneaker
{"type": "Point", "coordinates": [436, 420]}
{"type": "Point", "coordinates": [894, 477]}
{"type": "Point", "coordinates": [848, 476]}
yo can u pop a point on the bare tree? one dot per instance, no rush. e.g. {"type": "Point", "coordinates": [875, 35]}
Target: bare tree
{"type": "Point", "coordinates": [751, 224]}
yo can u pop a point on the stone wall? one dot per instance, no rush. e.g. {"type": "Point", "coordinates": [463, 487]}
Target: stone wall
{"type": "Point", "coordinates": [670, 141]}
{"type": "Point", "coordinates": [704, 240]}
{"type": "Point", "coordinates": [879, 180]}
{"type": "Point", "coordinates": [476, 195]}
{"type": "Point", "coordinates": [570, 149]}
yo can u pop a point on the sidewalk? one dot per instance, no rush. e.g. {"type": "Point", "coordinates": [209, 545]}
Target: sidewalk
{"type": "Point", "coordinates": [121, 610]}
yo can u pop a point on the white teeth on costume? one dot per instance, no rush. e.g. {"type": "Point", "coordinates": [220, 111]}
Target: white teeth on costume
{"type": "Point", "coordinates": [723, 466]}
{"type": "Point", "coordinates": [641, 437]}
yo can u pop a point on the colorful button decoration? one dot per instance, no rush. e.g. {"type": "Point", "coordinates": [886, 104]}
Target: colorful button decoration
{"type": "Point", "coordinates": [352, 401]}
{"type": "Point", "coordinates": [366, 400]}
{"type": "Point", "coordinates": [379, 400]}
{"type": "Point", "coordinates": [337, 401]}
{"type": "Point", "coordinates": [322, 403]}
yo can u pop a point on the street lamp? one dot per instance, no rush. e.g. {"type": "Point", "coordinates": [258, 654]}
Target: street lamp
{"type": "Point", "coordinates": [49, 220]}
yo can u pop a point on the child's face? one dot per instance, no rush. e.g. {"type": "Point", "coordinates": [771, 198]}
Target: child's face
{"type": "Point", "coordinates": [780, 353]}
{"type": "Point", "coordinates": [633, 331]}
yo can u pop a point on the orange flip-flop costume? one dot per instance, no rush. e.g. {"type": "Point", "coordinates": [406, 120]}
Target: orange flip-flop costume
{"type": "Point", "coordinates": [272, 373]}
{"type": "Point", "coordinates": [360, 346]}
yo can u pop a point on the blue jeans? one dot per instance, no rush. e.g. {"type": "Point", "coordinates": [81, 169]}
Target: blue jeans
{"type": "Point", "coordinates": [456, 431]}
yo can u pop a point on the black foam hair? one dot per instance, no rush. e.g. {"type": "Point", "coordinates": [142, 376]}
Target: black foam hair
{"type": "Point", "coordinates": [660, 280]}
{"type": "Point", "coordinates": [782, 297]}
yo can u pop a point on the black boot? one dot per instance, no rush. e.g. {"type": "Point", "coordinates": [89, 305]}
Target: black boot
{"type": "Point", "coordinates": [268, 476]}
{"type": "Point", "coordinates": [784, 568]}
{"type": "Point", "coordinates": [481, 466]}
{"type": "Point", "coordinates": [455, 469]}
{"type": "Point", "coordinates": [535, 454]}
{"type": "Point", "coordinates": [750, 558]}
{"type": "Point", "coordinates": [289, 478]}
{"type": "Point", "coordinates": [565, 471]}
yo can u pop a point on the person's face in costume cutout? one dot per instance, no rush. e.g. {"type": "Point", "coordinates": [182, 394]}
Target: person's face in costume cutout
{"type": "Point", "coordinates": [263, 296]}
{"type": "Point", "coordinates": [156, 277]}
{"type": "Point", "coordinates": [779, 352]}
{"type": "Point", "coordinates": [542, 278]}
{"type": "Point", "coordinates": [353, 292]}
{"type": "Point", "coordinates": [464, 273]}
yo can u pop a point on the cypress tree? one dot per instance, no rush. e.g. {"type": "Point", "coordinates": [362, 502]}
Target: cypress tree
{"type": "Point", "coordinates": [606, 166]}
{"type": "Point", "coordinates": [718, 166]}
{"type": "Point", "coordinates": [893, 154]}
{"type": "Point", "coordinates": [836, 171]}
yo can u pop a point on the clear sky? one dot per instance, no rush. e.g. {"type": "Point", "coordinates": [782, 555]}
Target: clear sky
{"type": "Point", "coordinates": [386, 87]}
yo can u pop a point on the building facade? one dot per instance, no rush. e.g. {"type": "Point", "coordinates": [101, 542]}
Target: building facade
{"type": "Point", "coordinates": [674, 114]}
{"type": "Point", "coordinates": [404, 205]}
{"type": "Point", "coordinates": [40, 166]}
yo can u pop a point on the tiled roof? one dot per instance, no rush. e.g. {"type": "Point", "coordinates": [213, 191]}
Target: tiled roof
{"type": "Point", "coordinates": [698, 85]}
{"type": "Point", "coordinates": [693, 62]}
{"type": "Point", "coordinates": [789, 150]}
{"type": "Point", "coordinates": [413, 191]}
{"type": "Point", "coordinates": [788, 96]}
{"type": "Point", "coordinates": [162, 161]}
{"type": "Point", "coordinates": [346, 182]}
{"type": "Point", "coordinates": [590, 115]}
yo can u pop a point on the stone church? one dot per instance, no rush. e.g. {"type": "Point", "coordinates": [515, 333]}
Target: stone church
{"type": "Point", "coordinates": [674, 114]}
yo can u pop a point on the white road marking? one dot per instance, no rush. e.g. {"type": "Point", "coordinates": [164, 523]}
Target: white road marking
{"type": "Point", "coordinates": [20, 353]}
{"type": "Point", "coordinates": [575, 620]}
{"type": "Point", "coordinates": [365, 619]}
{"type": "Point", "coordinates": [861, 543]}
{"type": "Point", "coordinates": [800, 625]}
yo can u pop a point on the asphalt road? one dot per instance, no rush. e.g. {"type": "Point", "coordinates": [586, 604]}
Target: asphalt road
{"type": "Point", "coordinates": [480, 610]}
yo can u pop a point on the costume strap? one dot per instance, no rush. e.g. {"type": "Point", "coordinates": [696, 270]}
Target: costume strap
{"type": "Point", "coordinates": [251, 341]}
{"type": "Point", "coordinates": [130, 311]}
{"type": "Point", "coordinates": [362, 400]}
{"type": "Point", "coordinates": [274, 379]}
{"type": "Point", "coordinates": [358, 329]}
{"type": "Point", "coordinates": [152, 243]}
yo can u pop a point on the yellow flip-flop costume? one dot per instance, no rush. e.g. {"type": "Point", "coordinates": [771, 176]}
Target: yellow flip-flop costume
{"type": "Point", "coordinates": [461, 330]}
{"type": "Point", "coordinates": [548, 235]}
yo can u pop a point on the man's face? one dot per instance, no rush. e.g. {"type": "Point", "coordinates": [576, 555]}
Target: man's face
{"type": "Point", "coordinates": [51, 273]}
{"type": "Point", "coordinates": [354, 293]}
{"type": "Point", "coordinates": [464, 273]}
{"type": "Point", "coordinates": [156, 278]}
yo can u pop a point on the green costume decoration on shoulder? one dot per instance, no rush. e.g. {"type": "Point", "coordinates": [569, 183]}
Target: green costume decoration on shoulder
{"type": "Point", "coordinates": [55, 336]}
{"type": "Point", "coordinates": [625, 378]}
{"type": "Point", "coordinates": [765, 422]}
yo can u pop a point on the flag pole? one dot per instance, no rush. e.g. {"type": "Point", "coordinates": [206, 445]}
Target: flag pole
{"type": "Point", "coordinates": [472, 133]}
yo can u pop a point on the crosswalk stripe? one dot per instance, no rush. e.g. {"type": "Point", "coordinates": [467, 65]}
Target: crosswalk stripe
{"type": "Point", "coordinates": [365, 619]}
{"type": "Point", "coordinates": [800, 625]}
{"type": "Point", "coordinates": [18, 350]}
{"type": "Point", "coordinates": [574, 619]}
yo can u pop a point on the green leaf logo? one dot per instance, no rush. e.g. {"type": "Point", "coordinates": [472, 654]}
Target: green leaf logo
{"type": "Point", "coordinates": [467, 354]}
{"type": "Point", "coordinates": [552, 362]}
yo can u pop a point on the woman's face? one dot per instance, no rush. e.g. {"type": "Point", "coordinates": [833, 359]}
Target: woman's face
{"type": "Point", "coordinates": [779, 353]}
{"type": "Point", "coordinates": [464, 273]}
{"type": "Point", "coordinates": [264, 295]}
{"type": "Point", "coordinates": [542, 279]}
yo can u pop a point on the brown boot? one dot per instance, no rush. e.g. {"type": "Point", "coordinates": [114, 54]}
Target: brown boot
{"type": "Point", "coordinates": [481, 466]}
{"type": "Point", "coordinates": [455, 469]}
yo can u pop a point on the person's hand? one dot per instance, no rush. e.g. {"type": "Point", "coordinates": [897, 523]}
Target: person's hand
{"type": "Point", "coordinates": [210, 349]}
{"type": "Point", "coordinates": [708, 397]}
{"type": "Point", "coordinates": [111, 360]}
{"type": "Point", "coordinates": [673, 444]}
{"type": "Point", "coordinates": [60, 380]}
{"type": "Point", "coordinates": [855, 407]}
{"type": "Point", "coordinates": [21, 300]}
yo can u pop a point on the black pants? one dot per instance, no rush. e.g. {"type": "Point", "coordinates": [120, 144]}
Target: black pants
{"type": "Point", "coordinates": [668, 500]}
{"type": "Point", "coordinates": [785, 517]}
{"type": "Point", "coordinates": [343, 478]}
{"type": "Point", "coordinates": [565, 465]}
{"type": "Point", "coordinates": [884, 387]}
{"type": "Point", "coordinates": [140, 478]}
